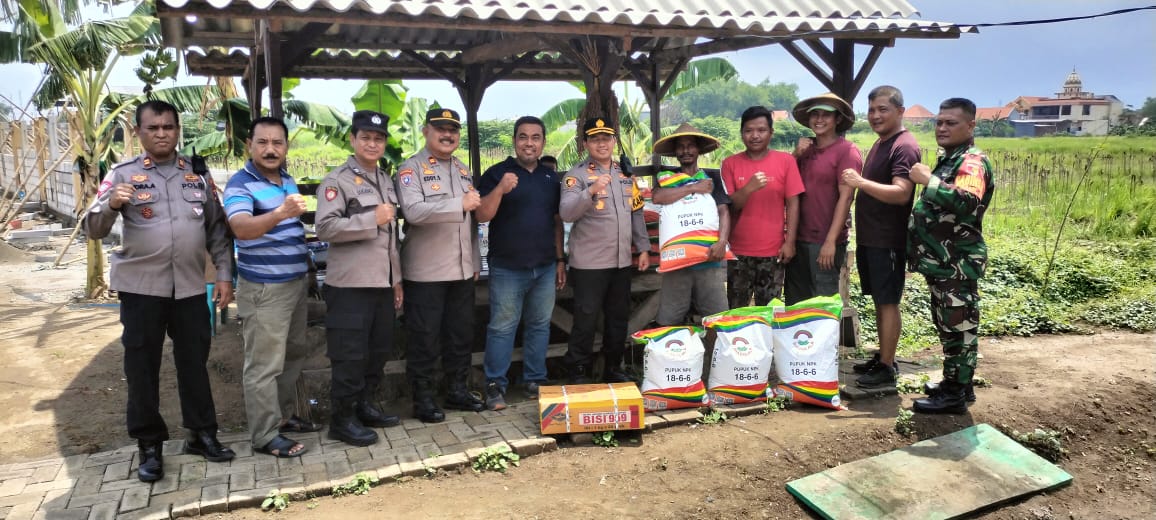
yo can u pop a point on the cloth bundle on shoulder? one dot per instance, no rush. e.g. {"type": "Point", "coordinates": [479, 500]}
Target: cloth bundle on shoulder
{"type": "Point", "coordinates": [672, 368]}
{"type": "Point", "coordinates": [686, 227]}
{"type": "Point", "coordinates": [741, 363]}
{"type": "Point", "coordinates": [806, 339]}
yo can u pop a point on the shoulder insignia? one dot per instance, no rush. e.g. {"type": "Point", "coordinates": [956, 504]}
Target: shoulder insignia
{"type": "Point", "coordinates": [432, 160]}
{"type": "Point", "coordinates": [407, 171]}
{"type": "Point", "coordinates": [330, 193]}
{"type": "Point", "coordinates": [181, 162]}
{"type": "Point", "coordinates": [571, 182]}
{"type": "Point", "coordinates": [147, 162]}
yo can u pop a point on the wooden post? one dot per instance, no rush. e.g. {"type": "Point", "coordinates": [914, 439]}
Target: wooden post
{"type": "Point", "coordinates": [39, 136]}
{"type": "Point", "coordinates": [272, 41]}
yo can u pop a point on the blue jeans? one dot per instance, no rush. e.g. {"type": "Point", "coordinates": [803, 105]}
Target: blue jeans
{"type": "Point", "coordinates": [517, 294]}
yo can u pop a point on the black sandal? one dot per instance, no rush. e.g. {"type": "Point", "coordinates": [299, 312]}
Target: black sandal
{"type": "Point", "coordinates": [298, 425]}
{"type": "Point", "coordinates": [283, 446]}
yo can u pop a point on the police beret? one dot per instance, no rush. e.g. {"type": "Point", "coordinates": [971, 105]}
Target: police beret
{"type": "Point", "coordinates": [370, 120]}
{"type": "Point", "coordinates": [597, 125]}
{"type": "Point", "coordinates": [442, 116]}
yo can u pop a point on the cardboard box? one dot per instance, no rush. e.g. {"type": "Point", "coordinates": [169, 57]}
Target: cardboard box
{"type": "Point", "coordinates": [590, 408]}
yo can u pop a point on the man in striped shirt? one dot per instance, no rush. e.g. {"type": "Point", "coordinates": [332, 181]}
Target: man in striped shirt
{"type": "Point", "coordinates": [263, 206]}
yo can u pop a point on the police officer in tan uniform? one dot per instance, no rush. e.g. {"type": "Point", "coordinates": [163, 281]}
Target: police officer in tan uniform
{"type": "Point", "coordinates": [606, 209]}
{"type": "Point", "coordinates": [171, 217]}
{"type": "Point", "coordinates": [356, 214]}
{"type": "Point", "coordinates": [442, 261]}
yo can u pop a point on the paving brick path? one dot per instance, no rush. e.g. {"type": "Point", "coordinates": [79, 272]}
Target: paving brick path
{"type": "Point", "coordinates": [104, 486]}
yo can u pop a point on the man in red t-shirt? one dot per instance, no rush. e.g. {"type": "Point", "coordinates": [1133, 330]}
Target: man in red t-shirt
{"type": "Point", "coordinates": [764, 185]}
{"type": "Point", "coordinates": [824, 209]}
{"type": "Point", "coordinates": [882, 208]}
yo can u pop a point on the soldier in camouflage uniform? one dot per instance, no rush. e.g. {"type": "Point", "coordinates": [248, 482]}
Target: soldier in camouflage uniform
{"type": "Point", "coordinates": [945, 244]}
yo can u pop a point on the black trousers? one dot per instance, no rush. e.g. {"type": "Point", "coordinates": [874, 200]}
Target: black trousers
{"type": "Point", "coordinates": [606, 290]}
{"type": "Point", "coordinates": [358, 335]}
{"type": "Point", "coordinates": [146, 320]}
{"type": "Point", "coordinates": [439, 320]}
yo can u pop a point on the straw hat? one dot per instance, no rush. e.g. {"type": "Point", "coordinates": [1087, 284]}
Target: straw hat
{"type": "Point", "coordinates": [665, 146]}
{"type": "Point", "coordinates": [829, 102]}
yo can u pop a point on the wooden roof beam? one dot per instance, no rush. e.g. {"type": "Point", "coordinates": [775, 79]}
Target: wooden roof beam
{"type": "Point", "coordinates": [501, 49]}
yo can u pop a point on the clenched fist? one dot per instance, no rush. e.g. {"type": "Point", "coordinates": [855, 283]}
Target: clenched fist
{"type": "Point", "coordinates": [758, 182]}
{"type": "Point", "coordinates": [508, 183]}
{"type": "Point", "coordinates": [384, 213]}
{"type": "Point", "coordinates": [600, 184]}
{"type": "Point", "coordinates": [293, 206]}
{"type": "Point", "coordinates": [471, 200]}
{"type": "Point", "coordinates": [121, 193]}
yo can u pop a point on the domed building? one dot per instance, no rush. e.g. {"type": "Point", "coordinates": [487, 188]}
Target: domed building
{"type": "Point", "coordinates": [1073, 111]}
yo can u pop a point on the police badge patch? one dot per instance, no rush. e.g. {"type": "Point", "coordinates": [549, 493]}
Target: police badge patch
{"type": "Point", "coordinates": [330, 193]}
{"type": "Point", "coordinates": [571, 182]}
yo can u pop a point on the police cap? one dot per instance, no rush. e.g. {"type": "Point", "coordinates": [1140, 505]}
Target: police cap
{"type": "Point", "coordinates": [370, 120]}
{"type": "Point", "coordinates": [597, 125]}
{"type": "Point", "coordinates": [443, 116]}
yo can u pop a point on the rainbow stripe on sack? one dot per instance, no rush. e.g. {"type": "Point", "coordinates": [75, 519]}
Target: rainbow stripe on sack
{"type": "Point", "coordinates": [736, 319]}
{"type": "Point", "coordinates": [675, 397]}
{"type": "Point", "coordinates": [676, 179]}
{"type": "Point", "coordinates": [658, 333]}
{"type": "Point", "coordinates": [806, 311]}
{"type": "Point", "coordinates": [738, 394]}
{"type": "Point", "coordinates": [818, 393]}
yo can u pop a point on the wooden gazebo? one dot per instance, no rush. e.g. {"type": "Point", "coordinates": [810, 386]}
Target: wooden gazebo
{"type": "Point", "coordinates": [474, 43]}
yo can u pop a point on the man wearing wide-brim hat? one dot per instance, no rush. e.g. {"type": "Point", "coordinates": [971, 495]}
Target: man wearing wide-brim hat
{"type": "Point", "coordinates": [691, 272]}
{"type": "Point", "coordinates": [821, 243]}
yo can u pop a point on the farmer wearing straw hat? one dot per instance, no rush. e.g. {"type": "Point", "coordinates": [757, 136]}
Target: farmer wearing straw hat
{"type": "Point", "coordinates": [825, 206]}
{"type": "Point", "coordinates": [702, 283]}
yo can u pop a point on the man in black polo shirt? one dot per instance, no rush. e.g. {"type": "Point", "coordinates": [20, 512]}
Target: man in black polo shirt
{"type": "Point", "coordinates": [520, 201]}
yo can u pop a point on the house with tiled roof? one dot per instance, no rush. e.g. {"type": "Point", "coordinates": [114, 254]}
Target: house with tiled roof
{"type": "Point", "coordinates": [917, 114]}
{"type": "Point", "coordinates": [1072, 111]}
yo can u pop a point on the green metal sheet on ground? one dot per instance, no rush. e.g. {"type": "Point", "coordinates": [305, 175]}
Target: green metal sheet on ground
{"type": "Point", "coordinates": [944, 477]}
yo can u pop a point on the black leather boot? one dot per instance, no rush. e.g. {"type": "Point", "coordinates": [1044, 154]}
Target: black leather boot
{"type": "Point", "coordinates": [951, 398]}
{"type": "Point", "coordinates": [933, 388]}
{"type": "Point", "coordinates": [424, 407]}
{"type": "Point", "coordinates": [460, 398]}
{"type": "Point", "coordinates": [368, 412]}
{"type": "Point", "coordinates": [152, 463]}
{"type": "Point", "coordinates": [205, 444]}
{"type": "Point", "coordinates": [580, 375]}
{"type": "Point", "coordinates": [344, 425]}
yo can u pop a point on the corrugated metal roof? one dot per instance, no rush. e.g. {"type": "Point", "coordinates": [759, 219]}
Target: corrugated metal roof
{"type": "Point", "coordinates": [730, 17]}
{"type": "Point", "coordinates": [662, 12]}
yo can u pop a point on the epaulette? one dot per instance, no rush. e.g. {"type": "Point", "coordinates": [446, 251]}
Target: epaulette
{"type": "Point", "coordinates": [125, 163]}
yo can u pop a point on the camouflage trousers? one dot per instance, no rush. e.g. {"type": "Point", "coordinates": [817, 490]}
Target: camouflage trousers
{"type": "Point", "coordinates": [753, 276]}
{"type": "Point", "coordinates": [955, 312]}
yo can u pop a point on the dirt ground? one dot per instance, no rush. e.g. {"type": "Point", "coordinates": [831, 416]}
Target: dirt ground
{"type": "Point", "coordinates": [62, 392]}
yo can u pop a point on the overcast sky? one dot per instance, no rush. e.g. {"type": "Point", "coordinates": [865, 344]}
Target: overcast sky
{"type": "Point", "coordinates": [1114, 55]}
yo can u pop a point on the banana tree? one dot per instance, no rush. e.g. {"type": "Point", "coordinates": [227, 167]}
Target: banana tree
{"type": "Point", "coordinates": [78, 64]}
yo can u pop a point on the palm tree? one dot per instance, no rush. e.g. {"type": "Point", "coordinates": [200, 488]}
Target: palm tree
{"type": "Point", "coordinates": [633, 132]}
